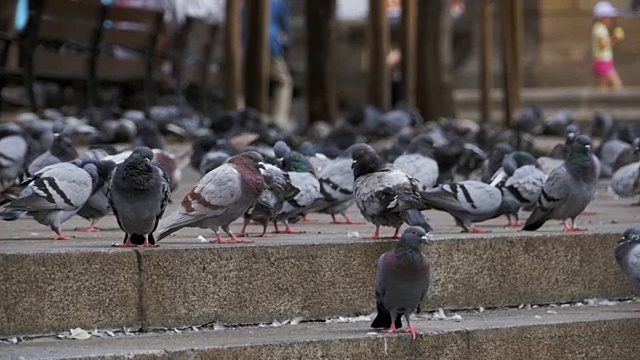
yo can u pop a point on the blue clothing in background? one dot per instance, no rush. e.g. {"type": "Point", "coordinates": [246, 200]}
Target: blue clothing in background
{"type": "Point", "coordinates": [279, 26]}
{"type": "Point", "coordinates": [22, 13]}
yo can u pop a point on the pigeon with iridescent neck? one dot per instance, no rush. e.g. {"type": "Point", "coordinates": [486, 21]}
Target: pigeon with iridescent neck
{"type": "Point", "coordinates": [402, 281]}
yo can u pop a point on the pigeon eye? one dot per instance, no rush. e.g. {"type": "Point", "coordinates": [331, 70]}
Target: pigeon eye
{"type": "Point", "coordinates": [413, 233]}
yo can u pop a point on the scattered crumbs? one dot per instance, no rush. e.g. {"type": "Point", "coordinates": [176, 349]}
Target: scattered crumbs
{"type": "Point", "coordinates": [553, 312]}
{"type": "Point", "coordinates": [353, 234]}
{"type": "Point", "coordinates": [538, 317]}
{"type": "Point", "coordinates": [372, 333]}
{"type": "Point", "coordinates": [201, 238]}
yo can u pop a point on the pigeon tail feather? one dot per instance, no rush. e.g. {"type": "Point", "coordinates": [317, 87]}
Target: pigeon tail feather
{"type": "Point", "coordinates": [414, 217]}
{"type": "Point", "coordinates": [383, 318]}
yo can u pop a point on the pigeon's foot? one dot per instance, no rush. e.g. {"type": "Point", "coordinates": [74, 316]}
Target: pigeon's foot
{"type": "Point", "coordinates": [515, 224]}
{"type": "Point", "coordinates": [391, 330]}
{"type": "Point", "coordinates": [477, 230]}
{"type": "Point", "coordinates": [219, 239]}
{"type": "Point", "coordinates": [348, 221]}
{"type": "Point", "coordinates": [375, 236]}
{"type": "Point", "coordinates": [289, 230]}
{"type": "Point", "coordinates": [127, 243]}
{"type": "Point", "coordinates": [147, 244]}
{"type": "Point", "coordinates": [411, 330]}
{"type": "Point", "coordinates": [91, 228]}
{"type": "Point", "coordinates": [307, 219]}
{"type": "Point", "coordinates": [636, 310]}
{"type": "Point", "coordinates": [573, 229]}
{"type": "Point", "coordinates": [61, 236]}
{"type": "Point", "coordinates": [235, 240]}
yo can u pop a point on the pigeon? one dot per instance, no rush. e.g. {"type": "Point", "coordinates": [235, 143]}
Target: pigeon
{"type": "Point", "coordinates": [220, 197]}
{"type": "Point", "coordinates": [149, 135]}
{"type": "Point", "coordinates": [602, 124]}
{"type": "Point", "coordinates": [557, 123]}
{"type": "Point", "coordinates": [269, 205]}
{"type": "Point", "coordinates": [529, 120]}
{"type": "Point", "coordinates": [418, 162]}
{"type": "Point", "coordinates": [626, 180]}
{"type": "Point", "coordinates": [14, 149]}
{"type": "Point", "coordinates": [336, 188]}
{"type": "Point", "coordinates": [468, 201]}
{"type": "Point", "coordinates": [610, 150]}
{"type": "Point", "coordinates": [303, 178]}
{"type": "Point", "coordinates": [568, 189]}
{"type": "Point", "coordinates": [97, 206]}
{"type": "Point", "coordinates": [494, 162]}
{"type": "Point", "coordinates": [627, 254]}
{"type": "Point", "coordinates": [139, 194]}
{"type": "Point", "coordinates": [61, 150]}
{"type": "Point", "coordinates": [403, 277]}
{"type": "Point", "coordinates": [54, 194]}
{"type": "Point", "coordinates": [520, 179]}
{"type": "Point", "coordinates": [212, 160]}
{"type": "Point", "coordinates": [384, 195]}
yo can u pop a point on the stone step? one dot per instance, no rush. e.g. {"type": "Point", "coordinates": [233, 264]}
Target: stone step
{"type": "Point", "coordinates": [51, 286]}
{"type": "Point", "coordinates": [603, 332]}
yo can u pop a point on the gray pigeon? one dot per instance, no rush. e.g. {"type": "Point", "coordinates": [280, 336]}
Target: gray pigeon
{"type": "Point", "coordinates": [494, 162]}
{"type": "Point", "coordinates": [61, 150]}
{"type": "Point", "coordinates": [568, 189]}
{"type": "Point", "coordinates": [610, 150]}
{"type": "Point", "coordinates": [418, 162]}
{"type": "Point", "coordinates": [138, 194]}
{"type": "Point", "coordinates": [54, 194]}
{"type": "Point", "coordinates": [385, 196]}
{"type": "Point", "coordinates": [336, 187]}
{"type": "Point", "coordinates": [212, 160]}
{"type": "Point", "coordinates": [269, 205]}
{"type": "Point", "coordinates": [220, 197]}
{"type": "Point", "coordinates": [14, 149]}
{"type": "Point", "coordinates": [520, 179]}
{"type": "Point", "coordinates": [303, 178]}
{"type": "Point", "coordinates": [402, 282]}
{"type": "Point", "coordinates": [627, 254]}
{"type": "Point", "coordinates": [468, 201]}
{"type": "Point", "coordinates": [626, 180]}
{"type": "Point", "coordinates": [97, 206]}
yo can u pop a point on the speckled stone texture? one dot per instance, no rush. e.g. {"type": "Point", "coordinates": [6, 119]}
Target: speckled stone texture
{"type": "Point", "coordinates": [53, 292]}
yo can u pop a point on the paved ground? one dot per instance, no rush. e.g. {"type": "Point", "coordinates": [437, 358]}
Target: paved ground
{"type": "Point", "coordinates": [605, 214]}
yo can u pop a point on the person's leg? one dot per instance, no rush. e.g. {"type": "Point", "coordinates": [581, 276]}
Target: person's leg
{"type": "Point", "coordinates": [614, 79]}
{"type": "Point", "coordinates": [603, 82]}
{"type": "Point", "coordinates": [281, 105]}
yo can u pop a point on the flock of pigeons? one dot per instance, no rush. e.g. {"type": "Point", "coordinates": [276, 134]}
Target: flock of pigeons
{"type": "Point", "coordinates": [393, 166]}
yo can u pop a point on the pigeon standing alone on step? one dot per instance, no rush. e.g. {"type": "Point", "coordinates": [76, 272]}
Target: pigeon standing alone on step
{"type": "Point", "coordinates": [138, 194]}
{"type": "Point", "coordinates": [54, 194]}
{"type": "Point", "coordinates": [568, 189]}
{"type": "Point", "coordinates": [403, 277]}
{"type": "Point", "coordinates": [220, 197]}
{"type": "Point", "coordinates": [627, 254]}
{"type": "Point", "coordinates": [385, 196]}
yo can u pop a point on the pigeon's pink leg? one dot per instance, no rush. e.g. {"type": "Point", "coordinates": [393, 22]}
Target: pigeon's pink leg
{"type": "Point", "coordinates": [306, 219]}
{"type": "Point", "coordinates": [573, 227]}
{"type": "Point", "coordinates": [264, 231]}
{"type": "Point", "coordinates": [334, 221]}
{"type": "Point", "coordinates": [515, 224]}
{"type": "Point", "coordinates": [235, 240]}
{"type": "Point", "coordinates": [348, 221]}
{"type": "Point", "coordinates": [243, 231]}
{"type": "Point", "coordinates": [376, 235]}
{"type": "Point", "coordinates": [396, 235]}
{"type": "Point", "coordinates": [127, 242]}
{"type": "Point", "coordinates": [411, 330]}
{"type": "Point", "coordinates": [477, 230]}
{"type": "Point", "coordinates": [275, 228]}
{"type": "Point", "coordinates": [289, 230]}
{"type": "Point", "coordinates": [91, 228]}
{"type": "Point", "coordinates": [61, 236]}
{"type": "Point", "coordinates": [146, 243]}
{"type": "Point", "coordinates": [636, 310]}
{"type": "Point", "coordinates": [219, 239]}
{"type": "Point", "coordinates": [391, 330]}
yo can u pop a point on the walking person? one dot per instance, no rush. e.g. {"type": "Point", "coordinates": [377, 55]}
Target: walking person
{"type": "Point", "coordinates": [279, 30]}
{"type": "Point", "coordinates": [602, 43]}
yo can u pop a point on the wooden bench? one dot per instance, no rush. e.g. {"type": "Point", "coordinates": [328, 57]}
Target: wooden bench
{"type": "Point", "coordinates": [128, 47]}
{"type": "Point", "coordinates": [192, 53]}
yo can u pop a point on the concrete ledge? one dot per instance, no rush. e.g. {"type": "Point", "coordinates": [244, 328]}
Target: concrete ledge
{"type": "Point", "coordinates": [51, 292]}
{"type": "Point", "coordinates": [538, 334]}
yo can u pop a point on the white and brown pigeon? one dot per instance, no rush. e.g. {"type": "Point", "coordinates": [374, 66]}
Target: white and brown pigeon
{"type": "Point", "coordinates": [402, 280]}
{"type": "Point", "coordinates": [138, 194]}
{"type": "Point", "coordinates": [220, 197]}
